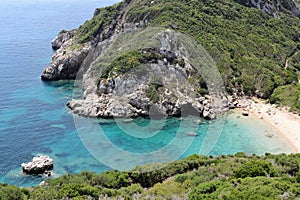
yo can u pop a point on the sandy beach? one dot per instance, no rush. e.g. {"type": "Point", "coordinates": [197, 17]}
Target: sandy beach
{"type": "Point", "coordinates": [286, 123]}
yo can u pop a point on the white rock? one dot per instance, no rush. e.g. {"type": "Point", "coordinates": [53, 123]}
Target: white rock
{"type": "Point", "coordinates": [38, 165]}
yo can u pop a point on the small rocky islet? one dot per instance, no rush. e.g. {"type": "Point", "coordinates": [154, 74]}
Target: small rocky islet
{"type": "Point", "coordinates": [39, 165]}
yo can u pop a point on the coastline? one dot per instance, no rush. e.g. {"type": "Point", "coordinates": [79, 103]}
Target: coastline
{"type": "Point", "coordinates": [284, 122]}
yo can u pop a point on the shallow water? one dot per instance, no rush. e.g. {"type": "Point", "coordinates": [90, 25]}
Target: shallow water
{"type": "Point", "coordinates": [34, 119]}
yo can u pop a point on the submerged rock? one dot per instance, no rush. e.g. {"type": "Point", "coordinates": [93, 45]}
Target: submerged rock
{"type": "Point", "coordinates": [269, 135]}
{"type": "Point", "coordinates": [192, 134]}
{"type": "Point", "coordinates": [38, 165]}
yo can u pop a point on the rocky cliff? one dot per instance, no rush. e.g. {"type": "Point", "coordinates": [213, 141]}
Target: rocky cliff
{"type": "Point", "coordinates": [155, 77]}
{"type": "Point", "coordinates": [243, 58]}
{"type": "Point", "coordinates": [73, 46]}
{"type": "Point", "coordinates": [274, 7]}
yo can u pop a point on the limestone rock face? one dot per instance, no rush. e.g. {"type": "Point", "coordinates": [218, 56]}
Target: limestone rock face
{"type": "Point", "coordinates": [65, 64]}
{"type": "Point", "coordinates": [273, 7]}
{"type": "Point", "coordinates": [38, 165]}
{"type": "Point", "coordinates": [62, 38]}
{"type": "Point", "coordinates": [159, 87]}
{"type": "Point", "coordinates": [72, 57]}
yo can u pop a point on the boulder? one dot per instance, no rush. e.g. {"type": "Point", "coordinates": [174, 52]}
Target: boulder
{"type": "Point", "coordinates": [38, 165]}
{"type": "Point", "coordinates": [201, 99]}
{"type": "Point", "coordinates": [231, 106]}
{"type": "Point", "coordinates": [245, 113]}
{"type": "Point", "coordinates": [209, 114]}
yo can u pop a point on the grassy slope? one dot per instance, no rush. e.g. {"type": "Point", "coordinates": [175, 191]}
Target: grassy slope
{"type": "Point", "coordinates": [250, 47]}
{"type": "Point", "coordinates": [196, 177]}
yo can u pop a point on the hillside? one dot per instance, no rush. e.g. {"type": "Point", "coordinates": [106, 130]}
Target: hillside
{"type": "Point", "coordinates": [255, 50]}
{"type": "Point", "coordinates": [196, 177]}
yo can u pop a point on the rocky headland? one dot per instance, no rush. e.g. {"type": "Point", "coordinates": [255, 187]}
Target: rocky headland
{"type": "Point", "coordinates": [144, 81]}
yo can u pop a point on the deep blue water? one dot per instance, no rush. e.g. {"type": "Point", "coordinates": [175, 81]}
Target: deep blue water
{"type": "Point", "coordinates": [34, 119]}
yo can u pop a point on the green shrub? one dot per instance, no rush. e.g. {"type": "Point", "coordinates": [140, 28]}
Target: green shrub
{"type": "Point", "coordinates": [290, 163]}
{"type": "Point", "coordinates": [210, 190]}
{"type": "Point", "coordinates": [240, 154]}
{"type": "Point", "coordinates": [89, 30]}
{"type": "Point", "coordinates": [248, 188]}
{"type": "Point", "coordinates": [8, 192]}
{"type": "Point", "coordinates": [254, 168]}
{"type": "Point", "coordinates": [168, 190]}
{"type": "Point", "coordinates": [152, 93]}
{"type": "Point", "coordinates": [298, 177]}
{"type": "Point", "coordinates": [111, 179]}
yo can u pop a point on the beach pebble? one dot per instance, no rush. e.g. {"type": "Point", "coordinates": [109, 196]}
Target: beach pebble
{"type": "Point", "coordinates": [245, 113]}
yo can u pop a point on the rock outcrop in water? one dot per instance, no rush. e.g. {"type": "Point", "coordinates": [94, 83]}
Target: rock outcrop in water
{"type": "Point", "coordinates": [72, 52]}
{"type": "Point", "coordinates": [38, 165]}
{"type": "Point", "coordinates": [66, 61]}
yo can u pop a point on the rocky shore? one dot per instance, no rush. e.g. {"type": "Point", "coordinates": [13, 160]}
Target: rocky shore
{"type": "Point", "coordinates": [286, 123]}
{"type": "Point", "coordinates": [66, 61]}
{"type": "Point", "coordinates": [38, 165]}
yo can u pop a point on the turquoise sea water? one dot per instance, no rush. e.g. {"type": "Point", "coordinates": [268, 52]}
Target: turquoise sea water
{"type": "Point", "coordinates": [34, 119]}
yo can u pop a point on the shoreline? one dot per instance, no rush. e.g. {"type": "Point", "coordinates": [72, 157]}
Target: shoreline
{"type": "Point", "coordinates": [284, 122]}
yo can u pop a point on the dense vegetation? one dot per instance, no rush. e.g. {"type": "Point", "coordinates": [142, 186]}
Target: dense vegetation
{"type": "Point", "coordinates": [128, 61]}
{"type": "Point", "coordinates": [288, 95]}
{"type": "Point", "coordinates": [250, 47]}
{"type": "Point", "coordinates": [195, 177]}
{"type": "Point", "coordinates": [255, 52]}
{"type": "Point", "coordinates": [89, 30]}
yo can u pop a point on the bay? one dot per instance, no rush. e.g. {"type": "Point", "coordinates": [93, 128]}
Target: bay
{"type": "Point", "coordinates": [34, 119]}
